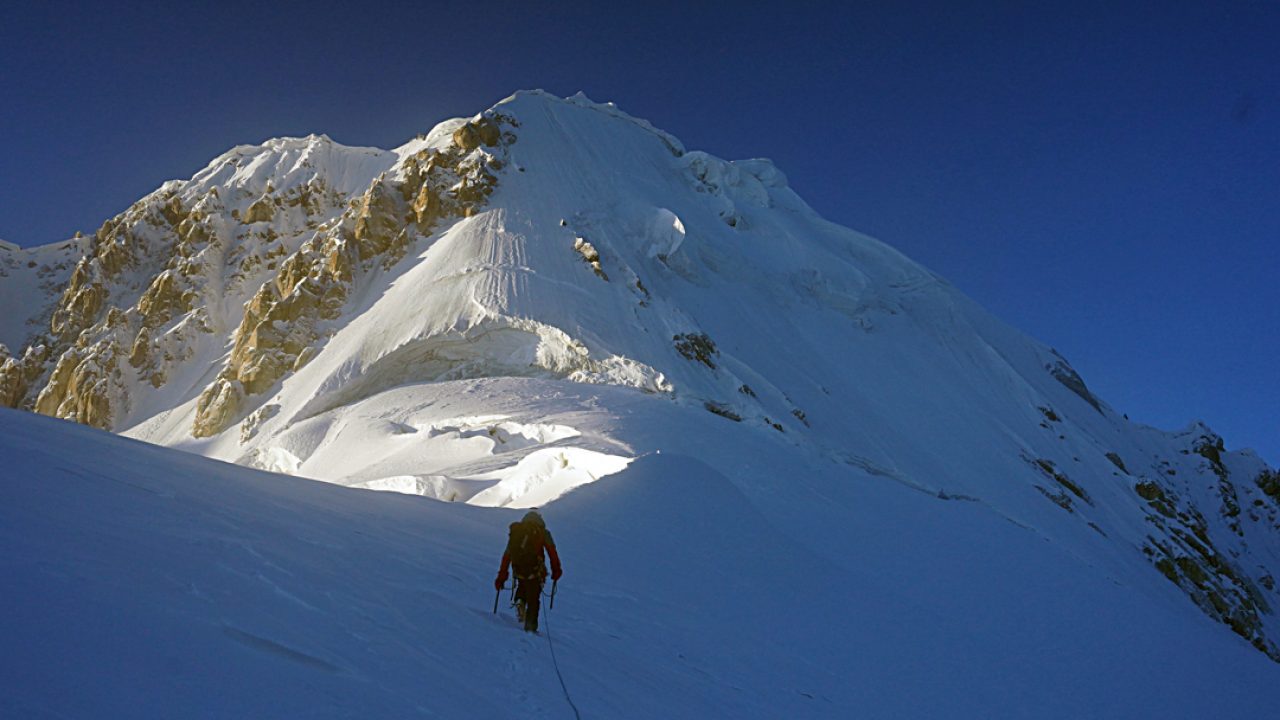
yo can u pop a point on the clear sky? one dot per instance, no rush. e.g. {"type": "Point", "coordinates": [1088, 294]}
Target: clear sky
{"type": "Point", "coordinates": [1104, 176]}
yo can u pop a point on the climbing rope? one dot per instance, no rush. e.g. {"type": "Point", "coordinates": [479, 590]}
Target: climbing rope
{"type": "Point", "coordinates": [547, 628]}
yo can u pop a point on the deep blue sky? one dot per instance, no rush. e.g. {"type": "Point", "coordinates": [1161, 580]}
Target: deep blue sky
{"type": "Point", "coordinates": [1105, 177]}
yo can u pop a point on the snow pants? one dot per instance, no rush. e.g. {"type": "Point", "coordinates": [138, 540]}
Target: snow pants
{"type": "Point", "coordinates": [529, 591]}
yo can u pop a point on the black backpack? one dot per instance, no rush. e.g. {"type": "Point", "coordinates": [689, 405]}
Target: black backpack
{"type": "Point", "coordinates": [524, 547]}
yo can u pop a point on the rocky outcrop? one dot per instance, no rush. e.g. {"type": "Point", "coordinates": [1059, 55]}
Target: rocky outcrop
{"type": "Point", "coordinates": [1184, 547]}
{"type": "Point", "coordinates": [590, 256]}
{"type": "Point", "coordinates": [1067, 375]}
{"type": "Point", "coordinates": [380, 221]}
{"type": "Point", "coordinates": [218, 406]}
{"type": "Point", "coordinates": [1187, 556]}
{"type": "Point", "coordinates": [481, 131]}
{"type": "Point", "coordinates": [165, 298]}
{"type": "Point", "coordinates": [262, 210]}
{"type": "Point", "coordinates": [1065, 485]}
{"type": "Point", "coordinates": [1268, 482]}
{"type": "Point", "coordinates": [696, 346]}
{"type": "Point", "coordinates": [84, 387]}
{"type": "Point", "coordinates": [19, 374]}
{"type": "Point", "coordinates": [281, 325]}
{"type": "Point", "coordinates": [157, 282]}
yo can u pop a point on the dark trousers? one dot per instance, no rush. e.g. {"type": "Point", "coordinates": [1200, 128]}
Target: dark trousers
{"type": "Point", "coordinates": [530, 591]}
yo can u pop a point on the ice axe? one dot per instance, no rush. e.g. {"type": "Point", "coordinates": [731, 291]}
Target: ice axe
{"type": "Point", "coordinates": [554, 583]}
{"type": "Point", "coordinates": [498, 594]}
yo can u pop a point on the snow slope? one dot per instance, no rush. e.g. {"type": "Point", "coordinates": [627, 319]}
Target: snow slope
{"type": "Point", "coordinates": [543, 298]}
{"type": "Point", "coordinates": [29, 282]}
{"type": "Point", "coordinates": [142, 582]}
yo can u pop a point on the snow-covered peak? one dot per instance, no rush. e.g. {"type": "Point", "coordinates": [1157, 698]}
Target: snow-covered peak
{"type": "Point", "coordinates": [285, 163]}
{"type": "Point", "coordinates": [485, 314]}
{"type": "Point", "coordinates": [526, 101]}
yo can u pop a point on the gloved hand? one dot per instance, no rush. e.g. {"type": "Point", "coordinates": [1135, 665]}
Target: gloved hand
{"type": "Point", "coordinates": [556, 573]}
{"type": "Point", "coordinates": [500, 581]}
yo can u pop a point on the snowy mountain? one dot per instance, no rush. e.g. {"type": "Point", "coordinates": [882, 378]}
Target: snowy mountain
{"type": "Point", "coordinates": [552, 292]}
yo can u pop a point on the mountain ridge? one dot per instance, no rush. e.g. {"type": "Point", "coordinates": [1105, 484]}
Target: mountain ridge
{"type": "Point", "coordinates": [313, 309]}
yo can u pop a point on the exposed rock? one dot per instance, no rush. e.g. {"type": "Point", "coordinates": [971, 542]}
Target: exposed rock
{"type": "Point", "coordinates": [306, 356]}
{"type": "Point", "coordinates": [173, 211]}
{"type": "Point", "coordinates": [1115, 460]}
{"type": "Point", "coordinates": [1154, 495]}
{"type": "Point", "coordinates": [475, 133]}
{"type": "Point", "coordinates": [278, 331]}
{"type": "Point", "coordinates": [217, 407]}
{"type": "Point", "coordinates": [378, 221]}
{"type": "Point", "coordinates": [140, 353]}
{"type": "Point", "coordinates": [589, 255]}
{"type": "Point", "coordinates": [13, 384]}
{"type": "Point", "coordinates": [18, 374]}
{"type": "Point", "coordinates": [1187, 556]}
{"type": "Point", "coordinates": [51, 397]}
{"type": "Point", "coordinates": [262, 210]}
{"type": "Point", "coordinates": [722, 410]}
{"type": "Point", "coordinates": [697, 346]}
{"type": "Point", "coordinates": [426, 207]}
{"type": "Point", "coordinates": [1049, 469]}
{"type": "Point", "coordinates": [113, 257]}
{"type": "Point", "coordinates": [79, 309]}
{"type": "Point", "coordinates": [163, 299]}
{"type": "Point", "coordinates": [80, 388]}
{"type": "Point", "coordinates": [1269, 482]}
{"type": "Point", "coordinates": [1059, 498]}
{"type": "Point", "coordinates": [1065, 374]}
{"type": "Point", "coordinates": [1210, 447]}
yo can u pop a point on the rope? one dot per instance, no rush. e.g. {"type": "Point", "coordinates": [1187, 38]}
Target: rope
{"type": "Point", "coordinates": [547, 627]}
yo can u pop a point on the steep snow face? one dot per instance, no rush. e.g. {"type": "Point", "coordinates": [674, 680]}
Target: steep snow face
{"type": "Point", "coordinates": [470, 316]}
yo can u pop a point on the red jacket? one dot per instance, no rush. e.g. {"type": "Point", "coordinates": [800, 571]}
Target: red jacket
{"type": "Point", "coordinates": [549, 546]}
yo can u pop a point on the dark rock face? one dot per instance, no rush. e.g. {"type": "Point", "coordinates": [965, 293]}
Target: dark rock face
{"type": "Point", "coordinates": [698, 347]}
{"type": "Point", "coordinates": [1065, 374]}
{"type": "Point", "coordinates": [1184, 548]}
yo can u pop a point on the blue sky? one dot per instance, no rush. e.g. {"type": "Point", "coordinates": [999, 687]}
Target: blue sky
{"type": "Point", "coordinates": [1106, 177]}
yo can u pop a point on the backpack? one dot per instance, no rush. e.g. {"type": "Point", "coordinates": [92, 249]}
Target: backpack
{"type": "Point", "coordinates": [524, 547]}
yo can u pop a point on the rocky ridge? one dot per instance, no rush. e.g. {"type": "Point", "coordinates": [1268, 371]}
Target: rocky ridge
{"type": "Point", "coordinates": [232, 250]}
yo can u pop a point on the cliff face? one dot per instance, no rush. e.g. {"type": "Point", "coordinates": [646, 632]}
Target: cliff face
{"type": "Point", "coordinates": [264, 246]}
{"type": "Point", "coordinates": [471, 315]}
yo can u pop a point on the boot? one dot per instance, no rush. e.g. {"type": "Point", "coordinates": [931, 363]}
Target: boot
{"type": "Point", "coordinates": [531, 620]}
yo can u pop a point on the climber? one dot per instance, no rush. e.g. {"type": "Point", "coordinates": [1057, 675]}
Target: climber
{"type": "Point", "coordinates": [525, 544]}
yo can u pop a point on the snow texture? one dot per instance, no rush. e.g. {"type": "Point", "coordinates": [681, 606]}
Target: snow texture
{"type": "Point", "coordinates": [141, 582]}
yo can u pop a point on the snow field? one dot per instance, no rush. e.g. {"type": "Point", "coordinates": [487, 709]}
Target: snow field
{"type": "Point", "coordinates": [144, 582]}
